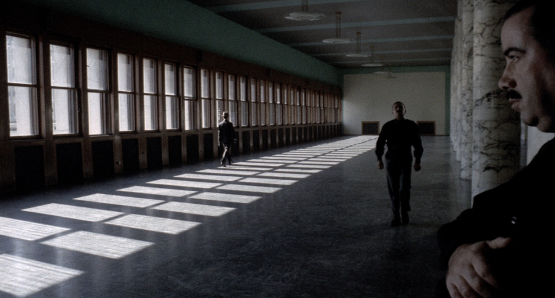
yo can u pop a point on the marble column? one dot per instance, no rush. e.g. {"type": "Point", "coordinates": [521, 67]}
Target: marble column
{"type": "Point", "coordinates": [466, 101]}
{"type": "Point", "coordinates": [496, 127]}
{"type": "Point", "coordinates": [455, 81]}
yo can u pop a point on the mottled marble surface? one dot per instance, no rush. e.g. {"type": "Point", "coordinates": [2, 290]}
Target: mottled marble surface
{"type": "Point", "coordinates": [326, 235]}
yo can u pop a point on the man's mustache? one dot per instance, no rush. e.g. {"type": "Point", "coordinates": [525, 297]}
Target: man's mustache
{"type": "Point", "coordinates": [511, 94]}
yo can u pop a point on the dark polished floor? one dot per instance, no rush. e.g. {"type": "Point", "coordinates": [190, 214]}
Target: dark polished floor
{"type": "Point", "coordinates": [310, 220]}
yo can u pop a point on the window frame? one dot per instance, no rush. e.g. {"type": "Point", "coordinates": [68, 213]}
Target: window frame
{"type": "Point", "coordinates": [34, 87]}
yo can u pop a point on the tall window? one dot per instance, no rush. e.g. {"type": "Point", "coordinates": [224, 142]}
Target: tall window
{"type": "Point", "coordinates": [205, 97]}
{"type": "Point", "coordinates": [322, 115]}
{"type": "Point", "coordinates": [126, 99]}
{"type": "Point", "coordinates": [64, 99]}
{"type": "Point", "coordinates": [298, 104]}
{"type": "Point", "coordinates": [232, 99]}
{"type": "Point", "coordinates": [271, 103]}
{"type": "Point", "coordinates": [97, 85]}
{"type": "Point", "coordinates": [189, 92]}
{"type": "Point", "coordinates": [313, 108]}
{"type": "Point", "coordinates": [220, 104]}
{"type": "Point", "coordinates": [150, 103]}
{"type": "Point", "coordinates": [292, 105]}
{"type": "Point", "coordinates": [285, 104]}
{"type": "Point", "coordinates": [279, 119]}
{"type": "Point", "coordinates": [172, 101]}
{"type": "Point", "coordinates": [22, 86]}
{"type": "Point", "coordinates": [244, 102]}
{"type": "Point", "coordinates": [303, 105]}
{"type": "Point", "coordinates": [254, 104]}
{"type": "Point", "coordinates": [262, 102]}
{"type": "Point", "coordinates": [309, 94]}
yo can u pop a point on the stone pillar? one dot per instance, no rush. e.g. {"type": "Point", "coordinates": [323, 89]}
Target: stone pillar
{"type": "Point", "coordinates": [455, 81]}
{"type": "Point", "coordinates": [466, 102]}
{"type": "Point", "coordinates": [496, 127]}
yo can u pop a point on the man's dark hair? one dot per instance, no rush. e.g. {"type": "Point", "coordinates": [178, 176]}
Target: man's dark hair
{"type": "Point", "coordinates": [542, 22]}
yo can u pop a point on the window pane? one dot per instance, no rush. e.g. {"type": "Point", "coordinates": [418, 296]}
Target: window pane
{"type": "Point", "coordinates": [151, 112]}
{"type": "Point", "coordinates": [170, 78]}
{"type": "Point", "coordinates": [149, 76]}
{"type": "Point", "coordinates": [172, 112]}
{"type": "Point", "coordinates": [254, 114]}
{"type": "Point", "coordinates": [126, 112]}
{"type": "Point", "coordinates": [97, 69]}
{"type": "Point", "coordinates": [190, 110]}
{"type": "Point", "coordinates": [189, 82]}
{"type": "Point", "coordinates": [97, 113]}
{"type": "Point", "coordinates": [205, 83]}
{"type": "Point", "coordinates": [262, 114]}
{"type": "Point", "coordinates": [61, 64]}
{"type": "Point", "coordinates": [243, 88]}
{"type": "Point", "coordinates": [244, 113]}
{"type": "Point", "coordinates": [23, 111]}
{"type": "Point", "coordinates": [262, 91]}
{"type": "Point", "coordinates": [233, 112]}
{"type": "Point", "coordinates": [220, 108]}
{"type": "Point", "coordinates": [205, 106]}
{"type": "Point", "coordinates": [125, 72]}
{"type": "Point", "coordinates": [231, 87]}
{"type": "Point", "coordinates": [219, 85]}
{"type": "Point", "coordinates": [64, 111]}
{"type": "Point", "coordinates": [21, 61]}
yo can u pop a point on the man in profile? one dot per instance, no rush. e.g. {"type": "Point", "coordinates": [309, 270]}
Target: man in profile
{"type": "Point", "coordinates": [227, 134]}
{"type": "Point", "coordinates": [501, 247]}
{"type": "Point", "coordinates": [401, 135]}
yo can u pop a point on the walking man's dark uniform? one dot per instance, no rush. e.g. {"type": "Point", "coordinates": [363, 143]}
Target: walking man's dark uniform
{"type": "Point", "coordinates": [400, 135]}
{"type": "Point", "coordinates": [227, 134]}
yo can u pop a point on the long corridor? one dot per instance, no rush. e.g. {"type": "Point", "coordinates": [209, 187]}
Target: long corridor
{"type": "Point", "coordinates": [310, 220]}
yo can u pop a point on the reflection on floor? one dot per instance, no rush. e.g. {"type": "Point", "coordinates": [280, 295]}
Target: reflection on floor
{"type": "Point", "coordinates": [303, 221]}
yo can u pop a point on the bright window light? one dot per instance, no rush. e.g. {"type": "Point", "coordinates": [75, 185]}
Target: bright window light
{"type": "Point", "coordinates": [157, 191]}
{"type": "Point", "coordinates": [284, 175]}
{"type": "Point", "coordinates": [268, 181]}
{"type": "Point", "coordinates": [290, 170]}
{"type": "Point", "coordinates": [154, 224]}
{"type": "Point", "coordinates": [98, 244]}
{"type": "Point", "coordinates": [23, 277]}
{"type": "Point", "coordinates": [279, 161]}
{"type": "Point", "coordinates": [26, 230]}
{"type": "Point", "coordinates": [119, 200]}
{"type": "Point", "coordinates": [209, 177]}
{"type": "Point", "coordinates": [326, 158]}
{"type": "Point", "coordinates": [74, 212]}
{"type": "Point", "coordinates": [232, 172]}
{"type": "Point", "coordinates": [247, 168]}
{"type": "Point", "coordinates": [249, 188]}
{"type": "Point", "coordinates": [308, 166]}
{"type": "Point", "coordinates": [258, 164]}
{"type": "Point", "coordinates": [197, 209]}
{"type": "Point", "coordinates": [225, 197]}
{"type": "Point", "coordinates": [182, 183]}
{"type": "Point", "coordinates": [317, 163]}
{"type": "Point", "coordinates": [284, 157]}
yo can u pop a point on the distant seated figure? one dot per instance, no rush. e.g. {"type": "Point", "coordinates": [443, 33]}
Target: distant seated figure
{"type": "Point", "coordinates": [502, 246]}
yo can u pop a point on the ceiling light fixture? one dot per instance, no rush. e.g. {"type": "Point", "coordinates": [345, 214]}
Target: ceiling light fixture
{"type": "Point", "coordinates": [372, 63]}
{"type": "Point", "coordinates": [337, 39]}
{"type": "Point", "coordinates": [358, 54]}
{"type": "Point", "coordinates": [304, 15]}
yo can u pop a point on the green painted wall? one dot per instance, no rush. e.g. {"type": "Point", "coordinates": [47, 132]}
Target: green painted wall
{"type": "Point", "coordinates": [184, 23]}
